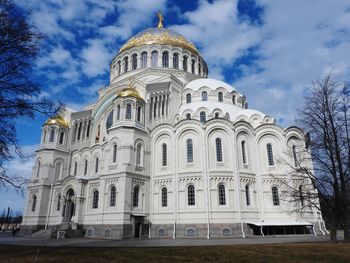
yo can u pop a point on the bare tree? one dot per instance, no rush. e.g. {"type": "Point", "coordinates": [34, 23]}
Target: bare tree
{"type": "Point", "coordinates": [322, 167]}
{"type": "Point", "coordinates": [19, 95]}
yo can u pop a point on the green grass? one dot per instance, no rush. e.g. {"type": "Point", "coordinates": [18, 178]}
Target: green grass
{"type": "Point", "coordinates": [308, 252]}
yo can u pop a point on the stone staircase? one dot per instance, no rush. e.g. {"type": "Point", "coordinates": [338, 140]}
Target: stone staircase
{"type": "Point", "coordinates": [43, 233]}
{"type": "Point", "coordinates": [68, 229]}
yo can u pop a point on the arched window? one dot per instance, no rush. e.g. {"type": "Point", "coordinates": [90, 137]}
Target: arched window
{"type": "Point", "coordinates": [202, 117]}
{"type": "Point", "coordinates": [222, 195]}
{"type": "Point", "coordinates": [135, 199]}
{"type": "Point", "coordinates": [217, 115]}
{"type": "Point", "coordinates": [218, 150]}
{"type": "Point", "coordinates": [220, 97]}
{"type": "Point", "coordinates": [164, 154]}
{"type": "Point", "coordinates": [38, 166]}
{"type": "Point", "coordinates": [79, 130]}
{"type": "Point", "coordinates": [269, 154]}
{"type": "Point", "coordinates": [139, 114]}
{"type": "Point", "coordinates": [188, 116]}
{"type": "Point", "coordinates": [138, 154]}
{"type": "Point", "coordinates": [58, 207]}
{"type": "Point", "coordinates": [134, 61]}
{"type": "Point", "coordinates": [114, 159]}
{"type": "Point", "coordinates": [184, 63]}
{"type": "Point", "coordinates": [119, 67]}
{"type": "Point", "coordinates": [109, 120]}
{"type": "Point", "coordinates": [244, 155]}
{"type": "Point", "coordinates": [164, 197]}
{"type": "Point", "coordinates": [188, 98]}
{"type": "Point", "coordinates": [301, 195]}
{"type": "Point", "coordinates": [52, 135]}
{"type": "Point", "coordinates": [234, 100]}
{"type": "Point", "coordinates": [97, 160]}
{"type": "Point", "coordinates": [191, 198]}
{"type": "Point", "coordinates": [189, 151]}
{"type": "Point", "coordinates": [295, 155]}
{"type": "Point", "coordinates": [204, 96]}
{"type": "Point", "coordinates": [118, 112]}
{"type": "Point", "coordinates": [165, 59]}
{"type": "Point", "coordinates": [199, 68]}
{"type": "Point", "coordinates": [246, 105]}
{"type": "Point", "coordinates": [57, 170]}
{"type": "Point", "coordinates": [154, 58]}
{"type": "Point", "coordinates": [193, 66]}
{"type": "Point", "coordinates": [44, 137]}
{"type": "Point", "coordinates": [176, 61]}
{"type": "Point", "coordinates": [88, 129]}
{"type": "Point", "coordinates": [275, 197]}
{"type": "Point", "coordinates": [85, 167]}
{"type": "Point", "coordinates": [143, 59]}
{"type": "Point", "coordinates": [95, 199]}
{"type": "Point", "coordinates": [34, 203]}
{"type": "Point", "coordinates": [126, 64]}
{"type": "Point", "coordinates": [128, 112]}
{"type": "Point", "coordinates": [113, 196]}
{"type": "Point", "coordinates": [247, 195]}
{"type": "Point", "coordinates": [75, 168]}
{"type": "Point", "coordinates": [61, 137]}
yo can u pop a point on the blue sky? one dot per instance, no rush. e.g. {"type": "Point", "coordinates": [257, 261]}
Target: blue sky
{"type": "Point", "coordinates": [268, 50]}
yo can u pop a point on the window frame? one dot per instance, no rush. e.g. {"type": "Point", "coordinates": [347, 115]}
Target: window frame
{"type": "Point", "coordinates": [219, 150]}
{"type": "Point", "coordinates": [275, 196]}
{"type": "Point", "coordinates": [113, 196]}
{"type": "Point", "coordinates": [189, 150]}
{"type": "Point", "coordinates": [222, 194]}
{"type": "Point", "coordinates": [164, 193]}
{"type": "Point", "coordinates": [269, 150]}
{"type": "Point", "coordinates": [95, 199]}
{"type": "Point", "coordinates": [191, 195]}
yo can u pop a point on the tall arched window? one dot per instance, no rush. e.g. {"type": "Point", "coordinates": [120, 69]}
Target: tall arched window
{"type": "Point", "coordinates": [79, 130]}
{"type": "Point", "coordinates": [134, 61]}
{"type": "Point", "coordinates": [204, 96]}
{"type": "Point", "coordinates": [118, 112]}
{"type": "Point", "coordinates": [164, 197]}
{"type": "Point", "coordinates": [164, 154]}
{"type": "Point", "coordinates": [188, 98]}
{"type": "Point", "coordinates": [88, 129]}
{"type": "Point", "coordinates": [38, 166]}
{"type": "Point", "coordinates": [188, 116]}
{"type": "Point", "coordinates": [86, 167]}
{"type": "Point", "coordinates": [176, 61]}
{"type": "Point", "coordinates": [154, 58]}
{"type": "Point", "coordinates": [247, 195]}
{"type": "Point", "coordinates": [301, 195]}
{"type": "Point", "coordinates": [139, 111]}
{"type": "Point", "coordinates": [220, 97]}
{"type": "Point", "coordinates": [57, 170]}
{"type": "Point", "coordinates": [191, 197]}
{"type": "Point", "coordinates": [114, 153]}
{"type": "Point", "coordinates": [189, 151]}
{"type": "Point", "coordinates": [61, 137]}
{"type": "Point", "coordinates": [128, 112]}
{"type": "Point", "coordinates": [193, 66]}
{"type": "Point", "coordinates": [222, 195]}
{"type": "Point", "coordinates": [143, 59]}
{"type": "Point", "coordinates": [135, 197]}
{"type": "Point", "coordinates": [112, 198]}
{"type": "Point", "coordinates": [202, 117]}
{"type": "Point", "coordinates": [44, 137]}
{"type": "Point", "coordinates": [234, 100]}
{"type": "Point", "coordinates": [58, 207]}
{"type": "Point", "coordinates": [244, 154]}
{"type": "Point", "coordinates": [75, 168]}
{"type": "Point", "coordinates": [126, 64]}
{"type": "Point", "coordinates": [34, 203]}
{"type": "Point", "coordinates": [184, 63]}
{"type": "Point", "coordinates": [119, 67]}
{"type": "Point", "coordinates": [109, 120]}
{"type": "Point", "coordinates": [95, 198]}
{"type": "Point", "coordinates": [52, 135]}
{"type": "Point", "coordinates": [97, 160]}
{"type": "Point", "coordinates": [295, 155]}
{"type": "Point", "coordinates": [269, 154]}
{"type": "Point", "coordinates": [199, 68]}
{"type": "Point", "coordinates": [275, 197]}
{"type": "Point", "coordinates": [218, 150]}
{"type": "Point", "coordinates": [138, 154]}
{"type": "Point", "coordinates": [165, 59]}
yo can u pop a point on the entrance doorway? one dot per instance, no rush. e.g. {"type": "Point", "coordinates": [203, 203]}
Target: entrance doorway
{"type": "Point", "coordinates": [138, 226]}
{"type": "Point", "coordinates": [69, 206]}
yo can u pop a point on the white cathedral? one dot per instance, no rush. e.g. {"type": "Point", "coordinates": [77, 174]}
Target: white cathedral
{"type": "Point", "coordinates": [165, 152]}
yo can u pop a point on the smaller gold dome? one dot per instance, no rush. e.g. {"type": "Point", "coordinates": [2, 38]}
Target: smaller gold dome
{"type": "Point", "coordinates": [129, 92]}
{"type": "Point", "coordinates": [57, 120]}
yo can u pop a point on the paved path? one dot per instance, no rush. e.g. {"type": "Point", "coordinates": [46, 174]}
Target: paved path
{"type": "Point", "coordinates": [7, 239]}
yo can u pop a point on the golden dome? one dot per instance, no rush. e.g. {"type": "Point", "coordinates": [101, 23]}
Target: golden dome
{"type": "Point", "coordinates": [129, 92]}
{"type": "Point", "coordinates": [161, 36]}
{"type": "Point", "coordinates": [57, 120]}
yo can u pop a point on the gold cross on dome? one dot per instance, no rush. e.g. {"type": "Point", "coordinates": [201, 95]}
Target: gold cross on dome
{"type": "Point", "coordinates": [161, 18]}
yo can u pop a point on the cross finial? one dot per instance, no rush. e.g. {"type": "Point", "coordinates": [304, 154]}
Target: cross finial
{"type": "Point", "coordinates": [160, 18]}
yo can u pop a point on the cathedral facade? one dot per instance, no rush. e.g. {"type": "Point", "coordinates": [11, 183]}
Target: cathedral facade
{"type": "Point", "coordinates": [165, 152]}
